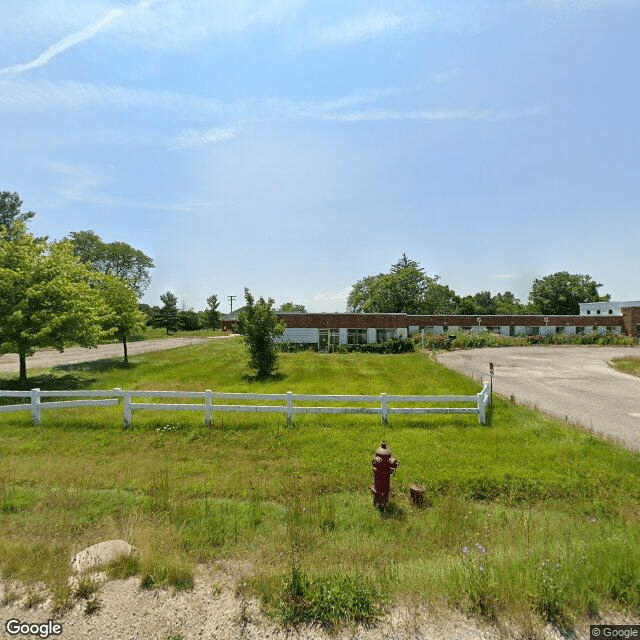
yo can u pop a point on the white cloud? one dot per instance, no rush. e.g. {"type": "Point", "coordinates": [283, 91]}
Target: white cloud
{"type": "Point", "coordinates": [506, 276]}
{"type": "Point", "coordinates": [45, 94]}
{"type": "Point", "coordinates": [197, 138]}
{"type": "Point", "coordinates": [446, 76]}
{"type": "Point", "coordinates": [435, 114]}
{"type": "Point", "coordinates": [368, 25]}
{"type": "Point", "coordinates": [70, 41]}
{"type": "Point", "coordinates": [82, 184]}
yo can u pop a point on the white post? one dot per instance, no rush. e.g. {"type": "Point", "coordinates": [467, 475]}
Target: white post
{"type": "Point", "coordinates": [289, 406]}
{"type": "Point", "coordinates": [35, 406]}
{"type": "Point", "coordinates": [384, 407]}
{"type": "Point", "coordinates": [481, 408]}
{"type": "Point", "coordinates": [127, 408]}
{"type": "Point", "coordinates": [491, 383]}
{"type": "Point", "coordinates": [207, 407]}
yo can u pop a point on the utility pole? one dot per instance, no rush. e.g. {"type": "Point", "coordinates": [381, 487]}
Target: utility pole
{"type": "Point", "coordinates": [231, 299]}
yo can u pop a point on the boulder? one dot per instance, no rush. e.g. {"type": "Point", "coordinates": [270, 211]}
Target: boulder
{"type": "Point", "coordinates": [100, 554]}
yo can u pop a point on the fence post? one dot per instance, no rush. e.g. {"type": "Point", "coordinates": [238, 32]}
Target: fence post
{"type": "Point", "coordinates": [126, 395]}
{"type": "Point", "coordinates": [481, 408]}
{"type": "Point", "coordinates": [384, 407]}
{"type": "Point", "coordinates": [35, 406]}
{"type": "Point", "coordinates": [207, 407]}
{"type": "Point", "coordinates": [289, 406]}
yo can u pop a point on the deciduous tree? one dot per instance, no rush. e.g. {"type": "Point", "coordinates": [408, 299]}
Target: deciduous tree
{"type": "Point", "coordinates": [260, 326]}
{"type": "Point", "coordinates": [291, 307]}
{"type": "Point", "coordinates": [561, 293]}
{"type": "Point", "coordinates": [125, 315]}
{"type": "Point", "coordinates": [405, 289]}
{"type": "Point", "coordinates": [113, 258]}
{"type": "Point", "coordinates": [10, 212]}
{"type": "Point", "coordinates": [48, 298]}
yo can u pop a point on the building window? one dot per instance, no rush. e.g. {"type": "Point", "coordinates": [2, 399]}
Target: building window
{"type": "Point", "coordinates": [610, 311]}
{"type": "Point", "coordinates": [559, 329]}
{"type": "Point", "coordinates": [445, 328]}
{"type": "Point", "coordinates": [598, 311]}
{"type": "Point", "coordinates": [609, 329]}
{"type": "Point", "coordinates": [579, 330]}
{"type": "Point", "coordinates": [386, 334]}
{"type": "Point", "coordinates": [588, 312]}
{"type": "Point", "coordinates": [328, 337]}
{"type": "Point", "coordinates": [357, 336]}
{"type": "Point", "coordinates": [532, 331]}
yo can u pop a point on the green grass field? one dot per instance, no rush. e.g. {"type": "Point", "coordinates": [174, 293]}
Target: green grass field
{"type": "Point", "coordinates": [628, 365]}
{"type": "Point", "coordinates": [528, 518]}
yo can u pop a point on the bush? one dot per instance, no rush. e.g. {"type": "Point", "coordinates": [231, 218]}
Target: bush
{"type": "Point", "coordinates": [260, 326]}
{"type": "Point", "coordinates": [473, 340]}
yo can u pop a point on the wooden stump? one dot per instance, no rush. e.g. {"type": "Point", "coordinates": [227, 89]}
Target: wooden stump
{"type": "Point", "coordinates": [417, 495]}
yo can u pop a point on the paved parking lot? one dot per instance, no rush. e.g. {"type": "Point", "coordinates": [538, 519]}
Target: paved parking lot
{"type": "Point", "coordinates": [571, 382]}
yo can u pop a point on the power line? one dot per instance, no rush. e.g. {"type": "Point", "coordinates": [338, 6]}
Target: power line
{"type": "Point", "coordinates": [231, 299]}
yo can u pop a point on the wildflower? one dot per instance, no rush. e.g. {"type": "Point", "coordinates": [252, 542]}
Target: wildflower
{"type": "Point", "coordinates": [480, 548]}
{"type": "Point", "coordinates": [465, 549]}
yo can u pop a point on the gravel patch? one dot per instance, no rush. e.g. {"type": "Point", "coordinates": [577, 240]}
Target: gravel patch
{"type": "Point", "coordinates": [214, 610]}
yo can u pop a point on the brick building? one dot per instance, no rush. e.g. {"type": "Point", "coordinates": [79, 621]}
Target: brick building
{"type": "Point", "coordinates": [325, 329]}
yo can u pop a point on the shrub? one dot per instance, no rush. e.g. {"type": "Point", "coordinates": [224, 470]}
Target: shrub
{"type": "Point", "coordinates": [473, 340]}
{"type": "Point", "coordinates": [260, 326]}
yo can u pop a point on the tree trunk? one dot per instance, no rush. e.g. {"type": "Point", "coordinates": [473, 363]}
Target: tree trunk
{"type": "Point", "coordinates": [124, 344]}
{"type": "Point", "coordinates": [23, 368]}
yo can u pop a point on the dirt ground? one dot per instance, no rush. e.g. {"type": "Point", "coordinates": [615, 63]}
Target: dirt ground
{"type": "Point", "coordinates": [214, 610]}
{"type": "Point", "coordinates": [52, 358]}
{"type": "Point", "coordinates": [574, 383]}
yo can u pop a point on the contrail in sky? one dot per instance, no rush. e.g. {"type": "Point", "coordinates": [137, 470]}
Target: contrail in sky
{"type": "Point", "coordinates": [69, 41]}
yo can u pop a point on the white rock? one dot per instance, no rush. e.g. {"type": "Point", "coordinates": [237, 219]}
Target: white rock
{"type": "Point", "coordinates": [101, 553]}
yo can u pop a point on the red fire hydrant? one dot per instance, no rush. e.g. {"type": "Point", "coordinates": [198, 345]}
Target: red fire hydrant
{"type": "Point", "coordinates": [384, 464]}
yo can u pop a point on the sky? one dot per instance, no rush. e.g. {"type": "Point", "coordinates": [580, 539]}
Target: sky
{"type": "Point", "coordinates": [294, 147]}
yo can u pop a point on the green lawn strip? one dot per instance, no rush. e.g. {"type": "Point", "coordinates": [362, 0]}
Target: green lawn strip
{"type": "Point", "coordinates": [627, 365]}
{"type": "Point", "coordinates": [522, 516]}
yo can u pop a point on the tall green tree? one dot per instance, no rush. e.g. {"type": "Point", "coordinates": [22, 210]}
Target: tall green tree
{"type": "Point", "coordinates": [211, 313]}
{"type": "Point", "coordinates": [10, 212]}
{"type": "Point", "coordinates": [405, 289]}
{"type": "Point", "coordinates": [291, 307]}
{"type": "Point", "coordinates": [561, 293]}
{"type": "Point", "coordinates": [507, 304]}
{"type": "Point", "coordinates": [113, 258]}
{"type": "Point", "coordinates": [48, 298]}
{"type": "Point", "coordinates": [125, 316]}
{"type": "Point", "coordinates": [260, 326]}
{"type": "Point", "coordinates": [167, 315]}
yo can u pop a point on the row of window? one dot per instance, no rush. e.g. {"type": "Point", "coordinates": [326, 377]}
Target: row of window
{"type": "Point", "coordinates": [598, 311]}
{"type": "Point", "coordinates": [327, 337]}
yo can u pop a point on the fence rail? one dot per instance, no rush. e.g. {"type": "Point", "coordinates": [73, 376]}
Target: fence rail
{"type": "Point", "coordinates": [482, 401]}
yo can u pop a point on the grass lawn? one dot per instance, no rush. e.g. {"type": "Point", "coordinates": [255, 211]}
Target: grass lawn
{"type": "Point", "coordinates": [627, 365]}
{"type": "Point", "coordinates": [151, 333]}
{"type": "Point", "coordinates": [527, 518]}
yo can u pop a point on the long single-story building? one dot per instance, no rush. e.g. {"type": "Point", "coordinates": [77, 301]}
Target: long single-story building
{"type": "Point", "coordinates": [324, 329]}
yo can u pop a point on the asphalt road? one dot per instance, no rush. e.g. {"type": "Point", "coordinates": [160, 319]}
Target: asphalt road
{"type": "Point", "coordinates": [574, 383]}
{"type": "Point", "coordinates": [51, 358]}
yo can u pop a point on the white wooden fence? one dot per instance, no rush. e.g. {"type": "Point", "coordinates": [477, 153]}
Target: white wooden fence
{"type": "Point", "coordinates": [111, 398]}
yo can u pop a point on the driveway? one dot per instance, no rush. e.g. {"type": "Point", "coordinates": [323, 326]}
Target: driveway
{"type": "Point", "coordinates": [574, 383]}
{"type": "Point", "coordinates": [52, 358]}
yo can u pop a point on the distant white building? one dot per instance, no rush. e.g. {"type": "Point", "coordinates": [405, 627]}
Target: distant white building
{"type": "Point", "coordinates": [610, 308]}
